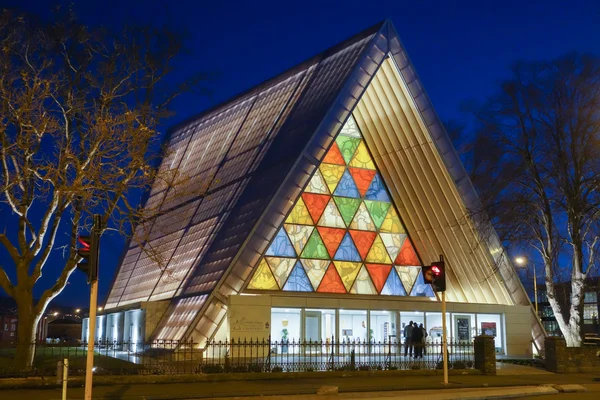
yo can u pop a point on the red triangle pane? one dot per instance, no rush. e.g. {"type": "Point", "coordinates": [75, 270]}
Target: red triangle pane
{"type": "Point", "coordinates": [315, 203]}
{"type": "Point", "coordinates": [332, 237]}
{"type": "Point", "coordinates": [334, 156]}
{"type": "Point", "coordinates": [362, 178]}
{"type": "Point", "coordinates": [407, 255]}
{"type": "Point", "coordinates": [363, 241]}
{"type": "Point", "coordinates": [331, 282]}
{"type": "Point", "coordinates": [379, 273]}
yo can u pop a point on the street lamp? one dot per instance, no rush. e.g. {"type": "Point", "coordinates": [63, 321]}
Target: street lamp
{"type": "Point", "coordinates": [522, 261]}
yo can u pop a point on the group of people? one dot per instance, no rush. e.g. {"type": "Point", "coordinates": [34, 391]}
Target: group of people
{"type": "Point", "coordinates": [414, 338]}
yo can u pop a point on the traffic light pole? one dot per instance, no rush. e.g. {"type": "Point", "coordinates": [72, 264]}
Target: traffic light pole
{"type": "Point", "coordinates": [444, 336]}
{"type": "Point", "coordinates": [89, 365]}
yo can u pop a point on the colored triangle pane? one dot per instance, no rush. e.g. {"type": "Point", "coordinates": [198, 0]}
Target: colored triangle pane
{"type": "Point", "coordinates": [346, 187]}
{"type": "Point", "coordinates": [408, 276]}
{"type": "Point", "coordinates": [392, 223]}
{"type": "Point", "coordinates": [299, 214]}
{"type": "Point", "coordinates": [347, 271]}
{"type": "Point", "coordinates": [347, 251]}
{"type": "Point", "coordinates": [281, 268]}
{"type": "Point", "coordinates": [407, 255]}
{"type": "Point", "coordinates": [378, 211]}
{"type": "Point", "coordinates": [315, 269]}
{"type": "Point", "coordinates": [315, 248]}
{"type": "Point", "coordinates": [393, 243]}
{"type": "Point", "coordinates": [298, 280]}
{"type": "Point", "coordinates": [379, 274]}
{"type": "Point", "coordinates": [263, 278]}
{"type": "Point", "coordinates": [363, 240]}
{"type": "Point", "coordinates": [362, 179]}
{"type": "Point", "coordinates": [332, 237]}
{"type": "Point", "coordinates": [281, 246]}
{"type": "Point", "coordinates": [362, 158]}
{"type": "Point", "coordinates": [378, 254]}
{"type": "Point", "coordinates": [317, 184]}
{"type": "Point", "coordinates": [334, 156]}
{"type": "Point", "coordinates": [331, 282]}
{"type": "Point", "coordinates": [331, 216]}
{"type": "Point", "coordinates": [377, 190]}
{"type": "Point", "coordinates": [393, 286]}
{"type": "Point", "coordinates": [348, 146]}
{"type": "Point", "coordinates": [362, 219]}
{"type": "Point", "coordinates": [421, 288]}
{"type": "Point", "coordinates": [350, 128]}
{"type": "Point", "coordinates": [347, 207]}
{"type": "Point", "coordinates": [363, 283]}
{"type": "Point", "coordinates": [299, 235]}
{"type": "Point", "coordinates": [332, 174]}
{"type": "Point", "coordinates": [315, 203]}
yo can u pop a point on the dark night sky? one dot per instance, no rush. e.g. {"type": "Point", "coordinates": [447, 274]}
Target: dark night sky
{"type": "Point", "coordinates": [461, 49]}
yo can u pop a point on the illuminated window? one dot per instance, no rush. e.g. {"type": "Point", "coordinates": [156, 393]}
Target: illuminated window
{"type": "Point", "coordinates": [343, 234]}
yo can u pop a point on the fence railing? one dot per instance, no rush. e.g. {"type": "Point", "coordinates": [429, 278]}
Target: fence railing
{"type": "Point", "coordinates": [291, 356]}
{"type": "Point", "coordinates": [238, 355]}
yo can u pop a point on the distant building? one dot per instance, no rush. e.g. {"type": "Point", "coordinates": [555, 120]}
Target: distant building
{"type": "Point", "coordinates": [65, 329]}
{"type": "Point", "coordinates": [8, 327]}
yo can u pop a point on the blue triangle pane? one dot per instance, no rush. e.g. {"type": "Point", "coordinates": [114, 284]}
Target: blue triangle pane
{"type": "Point", "coordinates": [347, 250]}
{"type": "Point", "coordinates": [298, 281]}
{"type": "Point", "coordinates": [347, 187]}
{"type": "Point", "coordinates": [377, 190]}
{"type": "Point", "coordinates": [281, 246]}
{"type": "Point", "coordinates": [421, 288]}
{"type": "Point", "coordinates": [393, 286]}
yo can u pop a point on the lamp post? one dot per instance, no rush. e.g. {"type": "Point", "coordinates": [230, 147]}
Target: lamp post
{"type": "Point", "coordinates": [522, 261]}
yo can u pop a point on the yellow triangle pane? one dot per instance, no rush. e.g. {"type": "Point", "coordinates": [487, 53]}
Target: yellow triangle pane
{"type": "Point", "coordinates": [363, 283]}
{"type": "Point", "coordinates": [362, 158]}
{"type": "Point", "coordinates": [378, 253]}
{"type": "Point", "coordinates": [263, 278]}
{"type": "Point", "coordinates": [392, 223]}
{"type": "Point", "coordinates": [332, 174]}
{"type": "Point", "coordinates": [281, 268]}
{"type": "Point", "coordinates": [299, 214]}
{"type": "Point", "coordinates": [408, 276]}
{"type": "Point", "coordinates": [315, 269]}
{"type": "Point", "coordinates": [362, 219]}
{"type": "Point", "coordinates": [348, 271]}
{"type": "Point", "coordinates": [299, 235]}
{"type": "Point", "coordinates": [317, 184]}
{"type": "Point", "coordinates": [331, 216]}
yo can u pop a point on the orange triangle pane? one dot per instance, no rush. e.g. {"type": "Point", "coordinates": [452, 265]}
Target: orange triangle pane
{"type": "Point", "coordinates": [407, 255]}
{"type": "Point", "coordinates": [331, 282]}
{"type": "Point", "coordinates": [379, 274]}
{"type": "Point", "coordinates": [362, 178]}
{"type": "Point", "coordinates": [315, 203]}
{"type": "Point", "coordinates": [332, 237]}
{"type": "Point", "coordinates": [334, 156]}
{"type": "Point", "coordinates": [363, 241]}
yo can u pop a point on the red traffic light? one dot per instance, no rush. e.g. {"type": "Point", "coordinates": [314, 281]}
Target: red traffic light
{"type": "Point", "coordinates": [436, 270]}
{"type": "Point", "coordinates": [84, 241]}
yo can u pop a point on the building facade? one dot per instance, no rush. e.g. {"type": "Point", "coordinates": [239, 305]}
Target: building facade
{"type": "Point", "coordinates": [310, 204]}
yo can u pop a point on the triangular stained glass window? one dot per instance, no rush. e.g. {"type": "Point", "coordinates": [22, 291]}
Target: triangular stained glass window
{"type": "Point", "coordinates": [281, 246]}
{"type": "Point", "coordinates": [343, 234]}
{"type": "Point", "coordinates": [298, 280]}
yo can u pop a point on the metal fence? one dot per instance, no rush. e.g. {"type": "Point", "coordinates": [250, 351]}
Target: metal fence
{"type": "Point", "coordinates": [240, 355]}
{"type": "Point", "coordinates": [293, 356]}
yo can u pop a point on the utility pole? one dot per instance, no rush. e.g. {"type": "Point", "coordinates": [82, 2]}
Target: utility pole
{"type": "Point", "coordinates": [444, 336]}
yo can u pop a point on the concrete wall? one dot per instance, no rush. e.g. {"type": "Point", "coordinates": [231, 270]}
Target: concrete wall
{"type": "Point", "coordinates": [154, 312]}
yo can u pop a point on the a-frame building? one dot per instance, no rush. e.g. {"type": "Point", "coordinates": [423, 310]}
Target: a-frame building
{"type": "Point", "coordinates": [310, 203]}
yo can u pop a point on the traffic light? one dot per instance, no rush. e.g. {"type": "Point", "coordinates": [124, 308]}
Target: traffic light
{"type": "Point", "coordinates": [89, 247]}
{"type": "Point", "coordinates": [435, 275]}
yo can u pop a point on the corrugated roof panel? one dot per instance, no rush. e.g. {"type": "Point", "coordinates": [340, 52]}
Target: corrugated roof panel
{"type": "Point", "coordinates": [179, 317]}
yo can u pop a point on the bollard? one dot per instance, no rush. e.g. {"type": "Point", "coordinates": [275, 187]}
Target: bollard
{"type": "Point", "coordinates": [62, 374]}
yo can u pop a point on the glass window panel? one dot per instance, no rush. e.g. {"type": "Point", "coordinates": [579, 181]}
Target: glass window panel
{"type": "Point", "coordinates": [331, 282]}
{"type": "Point", "coordinates": [285, 327]}
{"type": "Point", "coordinates": [393, 243]}
{"type": "Point", "coordinates": [281, 268]}
{"type": "Point", "coordinates": [353, 327]}
{"type": "Point", "coordinates": [392, 223]}
{"type": "Point", "coordinates": [362, 220]}
{"type": "Point", "coordinates": [281, 245]}
{"type": "Point", "coordinates": [408, 276]}
{"type": "Point", "coordinates": [315, 248]}
{"type": "Point", "coordinates": [362, 158]}
{"type": "Point", "coordinates": [263, 278]}
{"type": "Point", "coordinates": [421, 288]}
{"type": "Point", "coordinates": [382, 329]}
{"type": "Point", "coordinates": [377, 190]}
{"type": "Point", "coordinates": [315, 204]}
{"type": "Point", "coordinates": [378, 211]}
{"type": "Point", "coordinates": [332, 237]}
{"type": "Point", "coordinates": [379, 274]}
{"type": "Point", "coordinates": [407, 255]}
{"type": "Point", "coordinates": [348, 146]}
{"type": "Point", "coordinates": [299, 214]}
{"type": "Point", "coordinates": [334, 156]}
{"type": "Point", "coordinates": [393, 286]}
{"type": "Point", "coordinates": [299, 235]}
{"type": "Point", "coordinates": [362, 179]}
{"type": "Point", "coordinates": [363, 283]}
{"type": "Point", "coordinates": [331, 174]}
{"type": "Point", "coordinates": [315, 269]}
{"type": "Point", "coordinates": [590, 297]}
{"type": "Point", "coordinates": [347, 251]}
{"type": "Point", "coordinates": [346, 187]}
{"type": "Point", "coordinates": [347, 271]}
{"type": "Point", "coordinates": [347, 207]}
{"type": "Point", "coordinates": [363, 241]}
{"type": "Point", "coordinates": [298, 280]}
{"type": "Point", "coordinates": [317, 184]}
{"type": "Point", "coordinates": [378, 253]}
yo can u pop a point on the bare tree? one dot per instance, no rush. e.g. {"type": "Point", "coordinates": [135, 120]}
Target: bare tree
{"type": "Point", "coordinates": [79, 111]}
{"type": "Point", "coordinates": [535, 164]}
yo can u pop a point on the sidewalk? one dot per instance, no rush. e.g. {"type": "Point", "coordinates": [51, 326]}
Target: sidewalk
{"type": "Point", "coordinates": [309, 386]}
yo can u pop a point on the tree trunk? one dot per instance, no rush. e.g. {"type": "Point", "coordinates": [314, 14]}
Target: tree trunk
{"type": "Point", "coordinates": [26, 328]}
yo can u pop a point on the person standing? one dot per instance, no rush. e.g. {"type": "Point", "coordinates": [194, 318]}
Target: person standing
{"type": "Point", "coordinates": [417, 341]}
{"type": "Point", "coordinates": [424, 341]}
{"type": "Point", "coordinates": [408, 329]}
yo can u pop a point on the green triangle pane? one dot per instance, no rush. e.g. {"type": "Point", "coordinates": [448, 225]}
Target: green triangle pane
{"type": "Point", "coordinates": [347, 207]}
{"type": "Point", "coordinates": [378, 210]}
{"type": "Point", "coordinates": [315, 248]}
{"type": "Point", "coordinates": [348, 146]}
